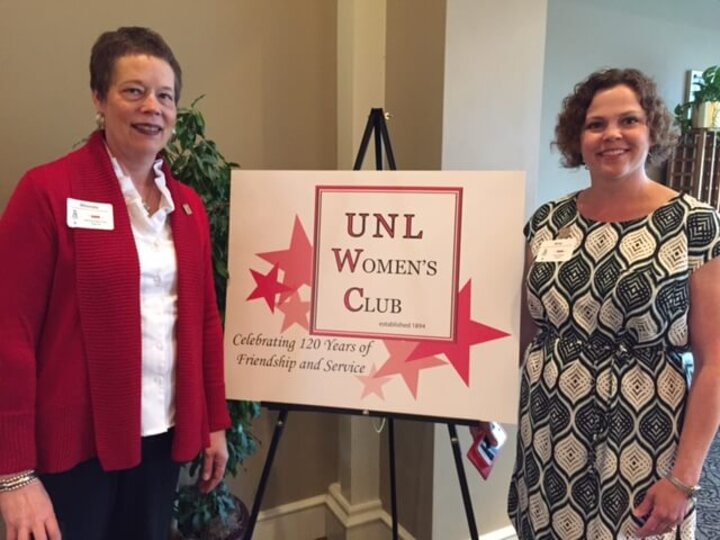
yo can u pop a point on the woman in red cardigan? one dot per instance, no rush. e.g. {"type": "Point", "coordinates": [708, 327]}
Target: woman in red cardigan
{"type": "Point", "coordinates": [111, 370]}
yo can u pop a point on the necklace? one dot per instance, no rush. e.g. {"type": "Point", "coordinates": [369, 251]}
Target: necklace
{"type": "Point", "coordinates": [118, 167]}
{"type": "Point", "coordinates": [147, 200]}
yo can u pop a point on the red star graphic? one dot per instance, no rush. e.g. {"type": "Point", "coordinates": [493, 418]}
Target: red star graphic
{"type": "Point", "coordinates": [267, 287]}
{"type": "Point", "coordinates": [296, 312]}
{"type": "Point", "coordinates": [296, 261]}
{"type": "Point", "coordinates": [469, 333]}
{"type": "Point", "coordinates": [372, 384]}
{"type": "Point", "coordinates": [398, 363]}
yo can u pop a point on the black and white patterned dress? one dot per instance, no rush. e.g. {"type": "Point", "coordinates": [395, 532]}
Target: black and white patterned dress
{"type": "Point", "coordinates": [603, 386]}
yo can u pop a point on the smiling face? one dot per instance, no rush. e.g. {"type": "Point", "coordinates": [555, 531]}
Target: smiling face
{"type": "Point", "coordinates": [139, 108]}
{"type": "Point", "coordinates": [615, 138]}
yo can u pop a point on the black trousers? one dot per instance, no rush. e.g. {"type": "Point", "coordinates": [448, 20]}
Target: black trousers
{"type": "Point", "coordinates": [92, 504]}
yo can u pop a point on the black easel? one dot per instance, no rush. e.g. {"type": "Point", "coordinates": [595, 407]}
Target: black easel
{"type": "Point", "coordinates": [376, 123]}
{"type": "Point", "coordinates": [281, 421]}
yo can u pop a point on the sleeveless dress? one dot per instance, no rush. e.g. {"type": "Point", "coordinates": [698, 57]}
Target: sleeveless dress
{"type": "Point", "coordinates": [603, 387]}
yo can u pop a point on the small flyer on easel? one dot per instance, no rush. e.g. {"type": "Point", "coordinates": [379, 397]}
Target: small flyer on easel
{"type": "Point", "coordinates": [392, 291]}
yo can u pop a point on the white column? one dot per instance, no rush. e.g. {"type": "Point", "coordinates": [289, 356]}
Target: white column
{"type": "Point", "coordinates": [361, 26]}
{"type": "Point", "coordinates": [494, 57]}
{"type": "Point", "coordinates": [361, 86]}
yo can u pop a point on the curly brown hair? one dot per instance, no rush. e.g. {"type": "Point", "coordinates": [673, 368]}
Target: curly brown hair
{"type": "Point", "coordinates": [663, 134]}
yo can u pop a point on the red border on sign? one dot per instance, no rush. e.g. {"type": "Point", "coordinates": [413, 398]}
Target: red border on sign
{"type": "Point", "coordinates": [457, 191]}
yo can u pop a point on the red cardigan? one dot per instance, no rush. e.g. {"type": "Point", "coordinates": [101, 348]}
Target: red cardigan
{"type": "Point", "coordinates": [70, 342]}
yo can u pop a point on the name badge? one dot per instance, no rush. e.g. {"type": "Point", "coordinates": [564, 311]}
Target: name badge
{"type": "Point", "coordinates": [89, 215]}
{"type": "Point", "coordinates": [556, 250]}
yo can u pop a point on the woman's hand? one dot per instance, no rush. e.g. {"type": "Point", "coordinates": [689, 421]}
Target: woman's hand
{"type": "Point", "coordinates": [28, 513]}
{"type": "Point", "coordinates": [214, 461]}
{"type": "Point", "coordinates": [664, 507]}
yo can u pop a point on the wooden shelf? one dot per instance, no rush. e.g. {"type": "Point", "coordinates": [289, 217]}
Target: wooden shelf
{"type": "Point", "coordinates": [694, 166]}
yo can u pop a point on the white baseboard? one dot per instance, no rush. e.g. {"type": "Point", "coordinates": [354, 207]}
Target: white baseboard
{"type": "Point", "coordinates": [363, 514]}
{"type": "Point", "coordinates": [310, 516]}
{"type": "Point", "coordinates": [506, 533]}
{"type": "Point", "coordinates": [307, 519]}
{"type": "Point", "coordinates": [284, 521]}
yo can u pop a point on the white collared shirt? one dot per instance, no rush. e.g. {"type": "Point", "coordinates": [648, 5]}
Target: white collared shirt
{"type": "Point", "coordinates": [158, 300]}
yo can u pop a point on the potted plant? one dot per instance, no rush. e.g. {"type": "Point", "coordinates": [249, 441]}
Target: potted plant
{"type": "Point", "coordinates": [195, 160]}
{"type": "Point", "coordinates": [704, 105]}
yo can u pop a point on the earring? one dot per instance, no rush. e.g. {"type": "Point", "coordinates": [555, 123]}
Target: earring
{"type": "Point", "coordinates": [174, 132]}
{"type": "Point", "coordinates": [100, 120]}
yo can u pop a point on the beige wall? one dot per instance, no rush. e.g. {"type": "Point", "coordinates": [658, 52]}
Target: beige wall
{"type": "Point", "coordinates": [306, 462]}
{"type": "Point", "coordinates": [267, 69]}
{"type": "Point", "coordinates": [414, 82]}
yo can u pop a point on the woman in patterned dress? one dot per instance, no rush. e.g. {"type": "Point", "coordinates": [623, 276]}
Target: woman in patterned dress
{"type": "Point", "coordinates": [622, 279]}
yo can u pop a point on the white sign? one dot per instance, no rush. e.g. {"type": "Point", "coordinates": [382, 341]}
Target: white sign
{"type": "Point", "coordinates": [392, 291]}
{"type": "Point", "coordinates": [376, 248]}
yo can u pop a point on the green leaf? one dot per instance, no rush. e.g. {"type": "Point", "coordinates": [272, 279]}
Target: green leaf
{"type": "Point", "coordinates": [196, 161]}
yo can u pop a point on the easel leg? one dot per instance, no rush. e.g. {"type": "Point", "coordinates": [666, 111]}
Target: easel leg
{"type": "Point", "coordinates": [376, 122]}
{"type": "Point", "coordinates": [467, 501]}
{"type": "Point", "coordinates": [388, 147]}
{"type": "Point", "coordinates": [364, 143]}
{"type": "Point", "coordinates": [279, 425]}
{"type": "Point", "coordinates": [393, 491]}
{"type": "Point", "coordinates": [377, 119]}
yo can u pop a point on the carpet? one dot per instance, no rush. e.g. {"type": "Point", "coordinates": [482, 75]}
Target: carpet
{"type": "Point", "coordinates": [708, 499]}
